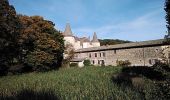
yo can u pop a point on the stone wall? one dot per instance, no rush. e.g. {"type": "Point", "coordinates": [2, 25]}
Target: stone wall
{"type": "Point", "coordinates": [139, 56]}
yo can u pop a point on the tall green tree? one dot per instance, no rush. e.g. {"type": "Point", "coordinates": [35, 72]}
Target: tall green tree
{"type": "Point", "coordinates": [41, 44]}
{"type": "Point", "coordinates": [167, 9]}
{"type": "Point", "coordinates": [9, 30]}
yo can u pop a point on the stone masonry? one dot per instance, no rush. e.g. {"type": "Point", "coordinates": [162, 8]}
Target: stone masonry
{"type": "Point", "coordinates": [144, 53]}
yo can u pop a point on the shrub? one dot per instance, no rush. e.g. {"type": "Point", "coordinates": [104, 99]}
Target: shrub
{"type": "Point", "coordinates": [157, 90]}
{"type": "Point", "coordinates": [86, 63]}
{"type": "Point", "coordinates": [123, 63]}
{"type": "Point", "coordinates": [3, 69]}
{"type": "Point", "coordinates": [162, 68]}
{"type": "Point", "coordinates": [73, 64]}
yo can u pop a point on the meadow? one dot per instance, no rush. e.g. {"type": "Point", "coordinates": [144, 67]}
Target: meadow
{"type": "Point", "coordinates": [88, 83]}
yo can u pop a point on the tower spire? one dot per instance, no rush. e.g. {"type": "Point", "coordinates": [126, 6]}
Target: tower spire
{"type": "Point", "coordinates": [95, 38]}
{"type": "Point", "coordinates": [68, 31]}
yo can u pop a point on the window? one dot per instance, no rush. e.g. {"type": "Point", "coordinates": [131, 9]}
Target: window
{"type": "Point", "coordinates": [102, 62]}
{"type": "Point", "coordinates": [153, 61]}
{"type": "Point", "coordinates": [104, 54]}
{"type": "Point", "coordinates": [114, 51]}
{"type": "Point", "coordinates": [98, 62]}
{"type": "Point", "coordinates": [100, 55]}
{"type": "Point", "coordinates": [89, 55]}
{"type": "Point", "coordinates": [150, 61]}
{"type": "Point", "coordinates": [93, 62]}
{"type": "Point", "coordinates": [95, 54]}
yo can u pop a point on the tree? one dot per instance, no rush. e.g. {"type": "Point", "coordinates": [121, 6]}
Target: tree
{"type": "Point", "coordinates": [112, 41]}
{"type": "Point", "coordinates": [68, 54]}
{"type": "Point", "coordinates": [41, 45]}
{"type": "Point", "coordinates": [9, 30]}
{"type": "Point", "coordinates": [167, 9]}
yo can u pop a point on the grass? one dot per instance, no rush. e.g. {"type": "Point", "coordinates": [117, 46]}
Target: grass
{"type": "Point", "coordinates": [89, 83]}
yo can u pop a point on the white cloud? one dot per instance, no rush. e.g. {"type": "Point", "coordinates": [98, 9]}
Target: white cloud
{"type": "Point", "coordinates": [139, 27]}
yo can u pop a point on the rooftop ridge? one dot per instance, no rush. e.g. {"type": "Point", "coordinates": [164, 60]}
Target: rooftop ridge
{"type": "Point", "coordinates": [125, 45]}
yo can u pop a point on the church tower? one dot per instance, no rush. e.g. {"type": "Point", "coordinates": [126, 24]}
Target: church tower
{"type": "Point", "coordinates": [68, 35]}
{"type": "Point", "coordinates": [95, 42]}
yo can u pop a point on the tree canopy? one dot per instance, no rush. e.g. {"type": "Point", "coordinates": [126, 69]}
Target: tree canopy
{"type": "Point", "coordinates": [112, 41]}
{"type": "Point", "coordinates": [167, 17]}
{"type": "Point", "coordinates": [42, 45]}
{"type": "Point", "coordinates": [28, 41]}
{"type": "Point", "coordinates": [9, 30]}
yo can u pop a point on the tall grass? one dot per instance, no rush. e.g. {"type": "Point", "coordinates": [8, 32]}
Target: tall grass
{"type": "Point", "coordinates": [89, 83]}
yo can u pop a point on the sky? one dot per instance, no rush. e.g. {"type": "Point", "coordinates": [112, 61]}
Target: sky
{"type": "Point", "coordinates": [134, 20]}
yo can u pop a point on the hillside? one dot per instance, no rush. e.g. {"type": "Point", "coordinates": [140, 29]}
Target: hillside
{"type": "Point", "coordinates": [112, 41]}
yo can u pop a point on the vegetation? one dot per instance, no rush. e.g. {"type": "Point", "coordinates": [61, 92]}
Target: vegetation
{"type": "Point", "coordinates": [9, 28]}
{"type": "Point", "coordinates": [92, 83]}
{"type": "Point", "coordinates": [167, 9]}
{"type": "Point", "coordinates": [30, 43]}
{"type": "Point", "coordinates": [74, 65]}
{"type": "Point", "coordinates": [86, 63]}
{"type": "Point", "coordinates": [40, 44]}
{"type": "Point", "coordinates": [123, 63]}
{"type": "Point", "coordinates": [112, 41]}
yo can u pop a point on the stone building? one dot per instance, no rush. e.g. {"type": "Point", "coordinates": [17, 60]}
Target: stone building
{"type": "Point", "coordinates": [79, 43]}
{"type": "Point", "coordinates": [144, 53]}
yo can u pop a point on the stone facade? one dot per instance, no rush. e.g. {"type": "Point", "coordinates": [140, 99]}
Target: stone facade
{"type": "Point", "coordinates": [138, 54]}
{"type": "Point", "coordinates": [79, 43]}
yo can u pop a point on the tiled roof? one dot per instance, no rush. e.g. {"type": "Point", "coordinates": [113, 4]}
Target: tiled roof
{"type": "Point", "coordinates": [125, 45]}
{"type": "Point", "coordinates": [95, 38]}
{"type": "Point", "coordinates": [68, 31]}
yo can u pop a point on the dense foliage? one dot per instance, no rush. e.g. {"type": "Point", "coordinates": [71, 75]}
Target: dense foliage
{"type": "Point", "coordinates": [123, 63]}
{"type": "Point", "coordinates": [112, 41]}
{"type": "Point", "coordinates": [9, 30]}
{"type": "Point", "coordinates": [41, 45]}
{"type": "Point", "coordinates": [73, 64]}
{"type": "Point", "coordinates": [86, 63]}
{"type": "Point", "coordinates": [167, 9]}
{"type": "Point", "coordinates": [28, 41]}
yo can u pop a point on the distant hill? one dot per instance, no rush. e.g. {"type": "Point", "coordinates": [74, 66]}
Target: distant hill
{"type": "Point", "coordinates": [112, 41]}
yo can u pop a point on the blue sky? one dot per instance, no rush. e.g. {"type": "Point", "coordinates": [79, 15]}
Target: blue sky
{"type": "Point", "coordinates": [135, 20]}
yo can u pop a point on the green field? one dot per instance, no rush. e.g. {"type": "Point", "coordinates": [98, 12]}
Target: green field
{"type": "Point", "coordinates": [89, 83]}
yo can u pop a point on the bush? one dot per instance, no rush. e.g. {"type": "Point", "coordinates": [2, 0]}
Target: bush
{"type": "Point", "coordinates": [73, 64]}
{"type": "Point", "coordinates": [162, 68]}
{"type": "Point", "coordinates": [123, 63]}
{"type": "Point", "coordinates": [3, 69]}
{"type": "Point", "coordinates": [86, 63]}
{"type": "Point", "coordinates": [157, 90]}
